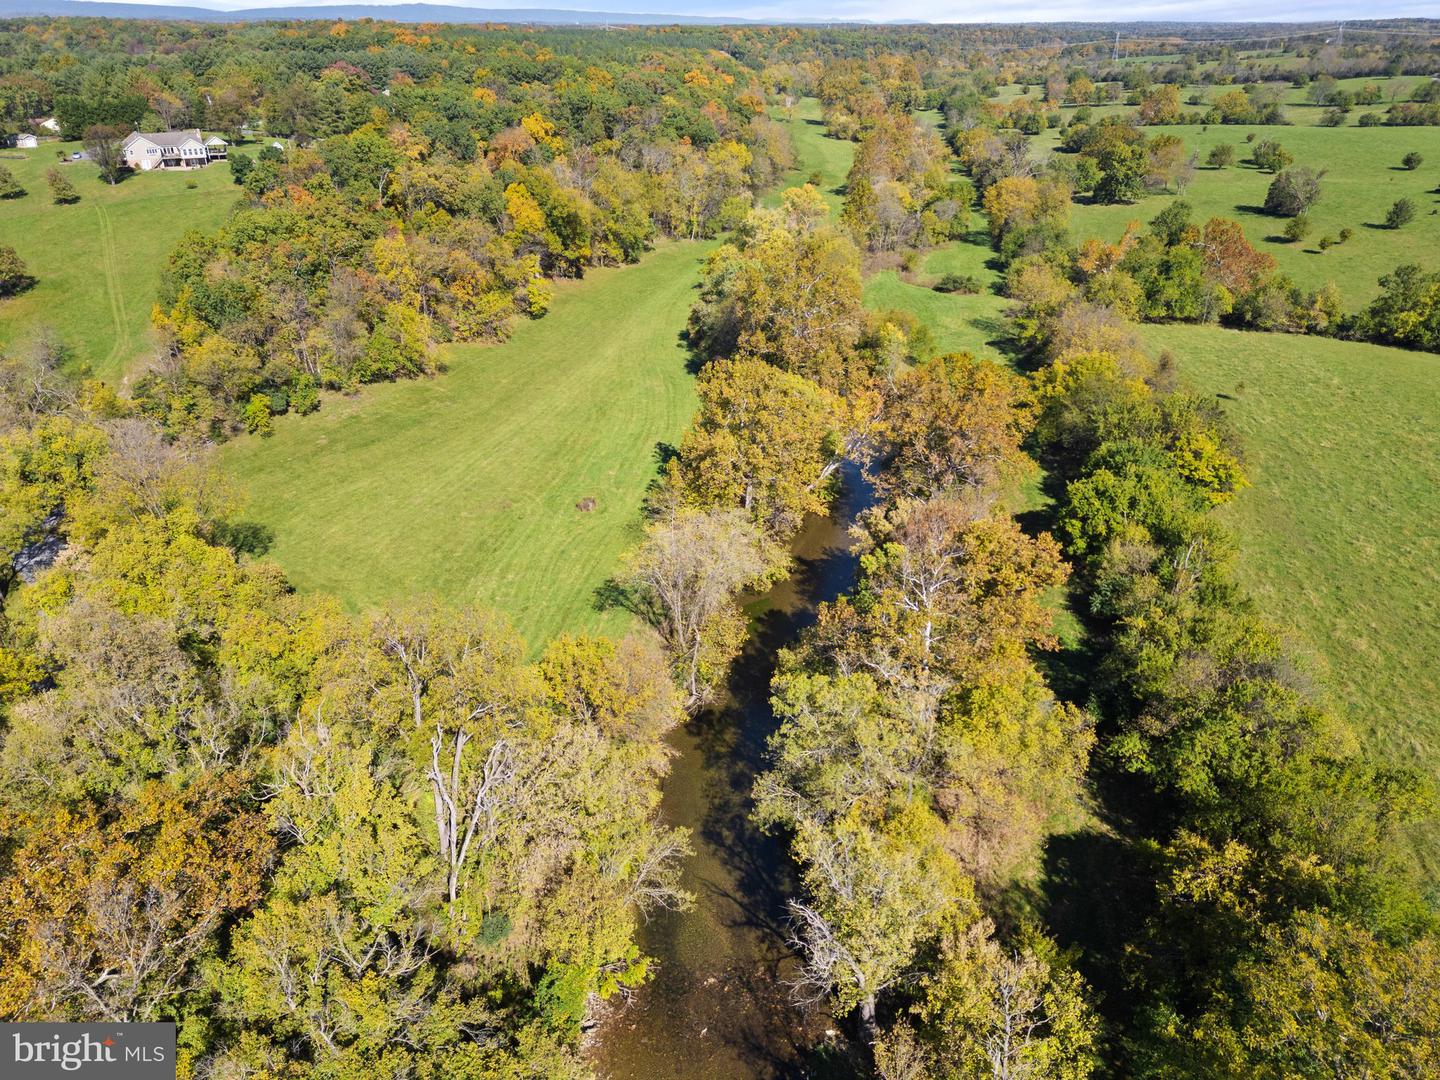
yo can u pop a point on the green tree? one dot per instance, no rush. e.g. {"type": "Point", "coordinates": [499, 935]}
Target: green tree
{"type": "Point", "coordinates": [992, 1012]}
{"type": "Point", "coordinates": [1293, 192]}
{"type": "Point", "coordinates": [685, 577]}
{"type": "Point", "coordinates": [1269, 156]}
{"type": "Point", "coordinates": [786, 292]}
{"type": "Point", "coordinates": [1400, 214]}
{"type": "Point", "coordinates": [1123, 168]}
{"type": "Point", "coordinates": [877, 891]}
{"type": "Point", "coordinates": [256, 416]}
{"type": "Point", "coordinates": [62, 191]}
{"type": "Point", "coordinates": [1221, 156]}
{"type": "Point", "coordinates": [14, 274]}
{"type": "Point", "coordinates": [9, 187]}
{"type": "Point", "coordinates": [1325, 998]}
{"type": "Point", "coordinates": [102, 144]}
{"type": "Point", "coordinates": [765, 440]}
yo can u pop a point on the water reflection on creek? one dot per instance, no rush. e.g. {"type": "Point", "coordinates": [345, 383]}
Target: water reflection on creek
{"type": "Point", "coordinates": [718, 1006]}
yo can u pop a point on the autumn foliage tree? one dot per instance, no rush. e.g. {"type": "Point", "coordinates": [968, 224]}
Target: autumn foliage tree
{"type": "Point", "coordinates": [106, 919]}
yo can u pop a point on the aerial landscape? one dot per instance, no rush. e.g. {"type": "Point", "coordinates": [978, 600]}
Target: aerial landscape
{"type": "Point", "coordinates": [719, 542]}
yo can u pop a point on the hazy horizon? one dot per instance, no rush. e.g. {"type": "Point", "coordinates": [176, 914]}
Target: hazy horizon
{"type": "Point", "coordinates": [992, 11]}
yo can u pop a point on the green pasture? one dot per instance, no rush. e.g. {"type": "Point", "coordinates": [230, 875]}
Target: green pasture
{"type": "Point", "coordinates": [97, 263]}
{"type": "Point", "coordinates": [1363, 178]}
{"type": "Point", "coordinates": [815, 151]}
{"type": "Point", "coordinates": [468, 485]}
{"type": "Point", "coordinates": [958, 322]}
{"type": "Point", "coordinates": [1338, 535]}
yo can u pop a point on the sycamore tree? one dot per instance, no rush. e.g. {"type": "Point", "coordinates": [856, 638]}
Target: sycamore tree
{"type": "Point", "coordinates": [994, 1012]}
{"type": "Point", "coordinates": [686, 577]}
{"type": "Point", "coordinates": [878, 886]}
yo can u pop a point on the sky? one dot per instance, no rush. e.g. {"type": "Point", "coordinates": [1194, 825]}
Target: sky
{"type": "Point", "coordinates": [941, 10]}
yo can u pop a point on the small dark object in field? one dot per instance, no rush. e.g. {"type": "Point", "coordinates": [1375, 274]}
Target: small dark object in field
{"type": "Point", "coordinates": [586, 504]}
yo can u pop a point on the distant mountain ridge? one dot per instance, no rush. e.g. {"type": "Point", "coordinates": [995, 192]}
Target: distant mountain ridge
{"type": "Point", "coordinates": [406, 13]}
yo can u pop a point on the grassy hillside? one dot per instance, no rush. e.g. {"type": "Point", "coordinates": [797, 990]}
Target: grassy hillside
{"type": "Point", "coordinates": [98, 262]}
{"type": "Point", "coordinates": [466, 485]}
{"type": "Point", "coordinates": [1338, 534]}
{"type": "Point", "coordinates": [1363, 179]}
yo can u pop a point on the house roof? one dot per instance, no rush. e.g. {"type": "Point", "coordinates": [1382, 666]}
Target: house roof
{"type": "Point", "coordinates": [166, 138]}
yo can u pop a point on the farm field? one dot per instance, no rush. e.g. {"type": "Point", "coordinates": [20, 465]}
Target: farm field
{"type": "Point", "coordinates": [1363, 180]}
{"type": "Point", "coordinates": [1338, 532]}
{"type": "Point", "coordinates": [98, 262]}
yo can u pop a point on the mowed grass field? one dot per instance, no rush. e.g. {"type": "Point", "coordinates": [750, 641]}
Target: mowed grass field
{"type": "Point", "coordinates": [1363, 180]}
{"type": "Point", "coordinates": [1340, 534]}
{"type": "Point", "coordinates": [98, 262]}
{"type": "Point", "coordinates": [958, 322]}
{"type": "Point", "coordinates": [466, 485]}
{"type": "Point", "coordinates": [815, 152]}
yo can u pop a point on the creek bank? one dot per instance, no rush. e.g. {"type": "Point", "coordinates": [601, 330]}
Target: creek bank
{"type": "Point", "coordinates": [719, 1006]}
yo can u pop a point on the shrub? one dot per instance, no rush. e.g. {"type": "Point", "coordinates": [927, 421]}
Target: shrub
{"type": "Point", "coordinates": [1325, 243]}
{"type": "Point", "coordinates": [1297, 228]}
{"type": "Point", "coordinates": [1333, 118]}
{"type": "Point", "coordinates": [1346, 233]}
{"type": "Point", "coordinates": [304, 395]}
{"type": "Point", "coordinates": [958, 283]}
{"type": "Point", "coordinates": [9, 187]}
{"type": "Point", "coordinates": [61, 190]}
{"type": "Point", "coordinates": [1412, 160]}
{"type": "Point", "coordinates": [1270, 156]}
{"type": "Point", "coordinates": [257, 415]}
{"type": "Point", "coordinates": [14, 275]}
{"type": "Point", "coordinates": [1401, 214]}
{"type": "Point", "coordinates": [1293, 192]}
{"type": "Point", "coordinates": [1371, 119]}
{"type": "Point", "coordinates": [1221, 156]}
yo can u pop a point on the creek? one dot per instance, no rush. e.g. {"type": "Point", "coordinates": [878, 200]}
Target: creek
{"type": "Point", "coordinates": [719, 1005]}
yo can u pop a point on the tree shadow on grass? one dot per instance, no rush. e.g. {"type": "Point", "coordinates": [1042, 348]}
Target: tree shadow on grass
{"type": "Point", "coordinates": [246, 537]}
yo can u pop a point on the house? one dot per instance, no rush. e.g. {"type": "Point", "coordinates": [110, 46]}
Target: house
{"type": "Point", "coordinates": [146, 150]}
{"type": "Point", "coordinates": [26, 142]}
